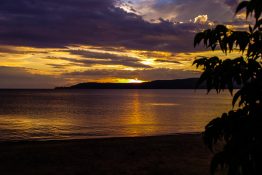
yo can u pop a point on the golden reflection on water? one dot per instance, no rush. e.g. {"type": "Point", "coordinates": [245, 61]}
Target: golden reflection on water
{"type": "Point", "coordinates": [165, 104]}
{"type": "Point", "coordinates": [141, 122]}
{"type": "Point", "coordinates": [106, 113]}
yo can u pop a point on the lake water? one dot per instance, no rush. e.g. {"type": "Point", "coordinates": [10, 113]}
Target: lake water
{"type": "Point", "coordinates": [76, 114]}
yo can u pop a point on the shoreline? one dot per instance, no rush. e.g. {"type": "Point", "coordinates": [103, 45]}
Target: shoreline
{"type": "Point", "coordinates": [178, 154]}
{"type": "Point", "coordinates": [95, 138]}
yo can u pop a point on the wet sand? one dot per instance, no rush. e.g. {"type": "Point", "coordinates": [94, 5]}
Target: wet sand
{"type": "Point", "coordinates": [183, 154]}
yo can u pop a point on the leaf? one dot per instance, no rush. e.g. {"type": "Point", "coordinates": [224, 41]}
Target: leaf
{"type": "Point", "coordinates": [201, 80]}
{"type": "Point", "coordinates": [258, 24]}
{"type": "Point", "coordinates": [198, 37]}
{"type": "Point", "coordinates": [241, 6]}
{"type": "Point", "coordinates": [249, 9]}
{"type": "Point", "coordinates": [250, 29]}
{"type": "Point", "coordinates": [236, 97]}
{"type": "Point", "coordinates": [218, 160]}
{"type": "Point", "coordinates": [239, 131]}
{"type": "Point", "coordinates": [258, 9]}
{"type": "Point", "coordinates": [221, 28]}
{"type": "Point", "coordinates": [200, 61]}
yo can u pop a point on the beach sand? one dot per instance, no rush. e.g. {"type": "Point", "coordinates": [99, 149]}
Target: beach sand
{"type": "Point", "coordinates": [183, 154]}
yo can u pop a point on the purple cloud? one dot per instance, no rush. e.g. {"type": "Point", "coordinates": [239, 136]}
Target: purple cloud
{"type": "Point", "coordinates": [58, 23]}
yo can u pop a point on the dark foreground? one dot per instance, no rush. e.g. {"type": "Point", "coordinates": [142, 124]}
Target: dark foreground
{"type": "Point", "coordinates": [177, 154]}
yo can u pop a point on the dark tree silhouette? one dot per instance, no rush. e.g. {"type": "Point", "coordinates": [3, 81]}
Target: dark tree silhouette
{"type": "Point", "coordinates": [238, 131]}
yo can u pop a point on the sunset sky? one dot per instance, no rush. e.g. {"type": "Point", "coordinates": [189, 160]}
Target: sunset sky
{"type": "Point", "coordinates": [51, 43]}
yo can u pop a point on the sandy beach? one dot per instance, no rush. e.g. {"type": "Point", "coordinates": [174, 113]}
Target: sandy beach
{"type": "Point", "coordinates": [175, 154]}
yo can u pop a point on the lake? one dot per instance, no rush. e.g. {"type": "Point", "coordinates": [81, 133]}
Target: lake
{"type": "Point", "coordinates": [77, 114]}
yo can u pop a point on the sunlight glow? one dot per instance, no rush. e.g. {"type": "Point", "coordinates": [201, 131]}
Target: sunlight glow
{"type": "Point", "coordinates": [72, 64]}
{"type": "Point", "coordinates": [135, 81]}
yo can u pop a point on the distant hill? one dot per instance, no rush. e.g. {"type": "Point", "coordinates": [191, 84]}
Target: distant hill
{"type": "Point", "coordinates": [189, 83]}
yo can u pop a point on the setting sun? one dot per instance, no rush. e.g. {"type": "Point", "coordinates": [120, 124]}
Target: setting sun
{"type": "Point", "coordinates": [135, 81]}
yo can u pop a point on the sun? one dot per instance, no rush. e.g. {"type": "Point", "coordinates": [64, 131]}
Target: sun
{"type": "Point", "coordinates": [135, 81]}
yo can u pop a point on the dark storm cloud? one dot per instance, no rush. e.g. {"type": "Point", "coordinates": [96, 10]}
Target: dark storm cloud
{"type": "Point", "coordinates": [18, 77]}
{"type": "Point", "coordinates": [58, 23]}
{"type": "Point", "coordinates": [145, 74]}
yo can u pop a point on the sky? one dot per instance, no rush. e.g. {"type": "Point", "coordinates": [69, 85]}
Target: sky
{"type": "Point", "coordinates": [44, 44]}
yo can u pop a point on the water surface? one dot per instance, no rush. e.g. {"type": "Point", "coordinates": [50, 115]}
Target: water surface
{"type": "Point", "coordinates": [75, 114]}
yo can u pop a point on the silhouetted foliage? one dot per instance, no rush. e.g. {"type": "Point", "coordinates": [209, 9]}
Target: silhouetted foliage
{"type": "Point", "coordinates": [240, 130]}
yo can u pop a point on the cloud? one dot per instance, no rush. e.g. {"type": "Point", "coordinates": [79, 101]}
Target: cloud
{"type": "Point", "coordinates": [89, 58]}
{"type": "Point", "coordinates": [110, 59]}
{"type": "Point", "coordinates": [145, 74]}
{"type": "Point", "coordinates": [142, 35]}
{"type": "Point", "coordinates": [232, 4]}
{"type": "Point", "coordinates": [184, 10]}
{"type": "Point", "coordinates": [19, 77]}
{"type": "Point", "coordinates": [167, 61]}
{"type": "Point", "coordinates": [60, 66]}
{"type": "Point", "coordinates": [201, 19]}
{"type": "Point", "coordinates": [60, 23]}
